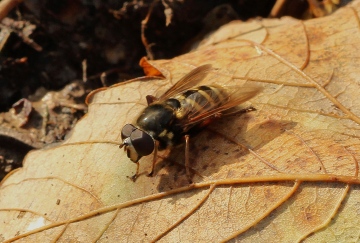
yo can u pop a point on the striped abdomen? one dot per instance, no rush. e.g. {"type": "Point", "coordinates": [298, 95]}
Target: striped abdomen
{"type": "Point", "coordinates": [199, 100]}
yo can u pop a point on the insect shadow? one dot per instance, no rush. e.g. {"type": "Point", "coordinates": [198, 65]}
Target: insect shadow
{"type": "Point", "coordinates": [222, 143]}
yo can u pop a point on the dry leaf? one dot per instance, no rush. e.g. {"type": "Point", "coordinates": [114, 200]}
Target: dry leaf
{"type": "Point", "coordinates": [284, 173]}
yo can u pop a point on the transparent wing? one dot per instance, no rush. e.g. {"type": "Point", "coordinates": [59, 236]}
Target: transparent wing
{"type": "Point", "coordinates": [188, 81]}
{"type": "Point", "coordinates": [230, 97]}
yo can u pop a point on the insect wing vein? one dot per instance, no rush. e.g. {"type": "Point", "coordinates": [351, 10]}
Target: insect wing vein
{"type": "Point", "coordinates": [188, 81]}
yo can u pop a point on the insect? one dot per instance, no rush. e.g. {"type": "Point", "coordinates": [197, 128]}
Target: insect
{"type": "Point", "coordinates": [181, 111]}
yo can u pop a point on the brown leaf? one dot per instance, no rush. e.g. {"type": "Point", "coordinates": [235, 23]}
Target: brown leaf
{"type": "Point", "coordinates": [284, 173]}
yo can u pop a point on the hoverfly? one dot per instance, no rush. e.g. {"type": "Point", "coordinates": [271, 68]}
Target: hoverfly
{"type": "Point", "coordinates": [182, 110]}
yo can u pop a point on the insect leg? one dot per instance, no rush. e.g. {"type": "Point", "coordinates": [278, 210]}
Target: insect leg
{"type": "Point", "coordinates": [134, 177]}
{"type": "Point", "coordinates": [239, 111]}
{"type": "Point", "coordinates": [154, 158]}
{"type": "Point", "coordinates": [187, 137]}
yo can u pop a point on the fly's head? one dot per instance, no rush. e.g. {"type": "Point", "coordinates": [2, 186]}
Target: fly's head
{"type": "Point", "coordinates": [136, 142]}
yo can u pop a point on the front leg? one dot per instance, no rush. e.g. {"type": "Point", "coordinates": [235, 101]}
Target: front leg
{"type": "Point", "coordinates": [187, 160]}
{"type": "Point", "coordinates": [135, 176]}
{"type": "Point", "coordinates": [154, 158]}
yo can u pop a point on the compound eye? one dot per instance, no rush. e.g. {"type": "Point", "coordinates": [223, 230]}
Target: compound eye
{"type": "Point", "coordinates": [142, 142]}
{"type": "Point", "coordinates": [127, 130]}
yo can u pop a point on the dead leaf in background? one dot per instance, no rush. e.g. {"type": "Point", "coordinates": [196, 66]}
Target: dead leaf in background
{"type": "Point", "coordinates": [284, 173]}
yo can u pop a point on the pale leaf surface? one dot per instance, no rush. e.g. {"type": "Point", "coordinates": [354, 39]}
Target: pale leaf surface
{"type": "Point", "coordinates": [284, 173]}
